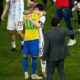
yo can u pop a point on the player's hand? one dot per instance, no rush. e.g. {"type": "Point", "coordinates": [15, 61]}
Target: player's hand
{"type": "Point", "coordinates": [29, 18]}
{"type": "Point", "coordinates": [2, 17]}
{"type": "Point", "coordinates": [73, 9]}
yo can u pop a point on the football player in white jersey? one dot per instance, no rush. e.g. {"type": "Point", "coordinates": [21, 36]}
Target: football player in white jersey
{"type": "Point", "coordinates": [41, 45]}
{"type": "Point", "coordinates": [15, 20]}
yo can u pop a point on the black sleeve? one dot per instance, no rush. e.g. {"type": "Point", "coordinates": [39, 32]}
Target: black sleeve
{"type": "Point", "coordinates": [46, 47]}
{"type": "Point", "coordinates": [71, 32]}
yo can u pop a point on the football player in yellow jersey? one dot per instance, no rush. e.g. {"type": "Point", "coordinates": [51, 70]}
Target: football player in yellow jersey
{"type": "Point", "coordinates": [41, 39]}
{"type": "Point", "coordinates": [31, 32]}
{"type": "Point", "coordinates": [31, 41]}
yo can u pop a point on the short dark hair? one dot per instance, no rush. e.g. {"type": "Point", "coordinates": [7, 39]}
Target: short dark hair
{"type": "Point", "coordinates": [55, 21]}
{"type": "Point", "coordinates": [39, 6]}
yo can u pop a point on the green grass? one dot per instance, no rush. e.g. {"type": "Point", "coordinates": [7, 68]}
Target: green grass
{"type": "Point", "coordinates": [10, 64]}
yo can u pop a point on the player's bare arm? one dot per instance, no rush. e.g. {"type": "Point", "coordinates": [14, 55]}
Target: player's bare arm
{"type": "Point", "coordinates": [5, 10]}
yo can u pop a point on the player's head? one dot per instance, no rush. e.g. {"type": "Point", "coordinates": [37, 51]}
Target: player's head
{"type": "Point", "coordinates": [38, 8]}
{"type": "Point", "coordinates": [55, 21]}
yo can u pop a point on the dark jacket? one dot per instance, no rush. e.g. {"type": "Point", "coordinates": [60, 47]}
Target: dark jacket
{"type": "Point", "coordinates": [55, 47]}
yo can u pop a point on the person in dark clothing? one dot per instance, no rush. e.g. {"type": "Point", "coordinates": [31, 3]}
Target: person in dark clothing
{"type": "Point", "coordinates": [66, 14]}
{"type": "Point", "coordinates": [1, 9]}
{"type": "Point", "coordinates": [55, 49]}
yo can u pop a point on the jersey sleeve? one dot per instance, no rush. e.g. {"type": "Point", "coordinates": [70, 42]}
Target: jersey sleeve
{"type": "Point", "coordinates": [42, 19]}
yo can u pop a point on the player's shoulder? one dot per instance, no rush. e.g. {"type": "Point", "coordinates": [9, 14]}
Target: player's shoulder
{"type": "Point", "coordinates": [42, 17]}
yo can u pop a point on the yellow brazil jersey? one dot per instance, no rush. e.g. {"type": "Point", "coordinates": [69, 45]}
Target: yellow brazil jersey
{"type": "Point", "coordinates": [31, 32]}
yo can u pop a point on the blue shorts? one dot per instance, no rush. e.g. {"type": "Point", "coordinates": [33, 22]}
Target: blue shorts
{"type": "Point", "coordinates": [31, 47]}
